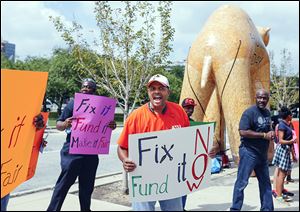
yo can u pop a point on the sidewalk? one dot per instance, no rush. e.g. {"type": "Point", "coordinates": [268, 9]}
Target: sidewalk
{"type": "Point", "coordinates": [217, 197]}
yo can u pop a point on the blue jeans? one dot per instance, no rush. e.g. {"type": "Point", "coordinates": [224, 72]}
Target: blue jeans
{"type": "Point", "coordinates": [184, 201]}
{"type": "Point", "coordinates": [165, 205]}
{"type": "Point", "coordinates": [249, 161]}
{"type": "Point", "coordinates": [73, 166]}
{"type": "Point", "coordinates": [4, 202]}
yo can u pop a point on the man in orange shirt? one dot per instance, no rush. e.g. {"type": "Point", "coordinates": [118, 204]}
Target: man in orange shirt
{"type": "Point", "coordinates": [158, 114]}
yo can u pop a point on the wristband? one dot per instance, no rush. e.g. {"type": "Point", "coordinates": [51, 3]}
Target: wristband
{"type": "Point", "coordinates": [264, 135]}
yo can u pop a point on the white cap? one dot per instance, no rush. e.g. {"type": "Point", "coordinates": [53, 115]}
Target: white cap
{"type": "Point", "coordinates": [159, 78]}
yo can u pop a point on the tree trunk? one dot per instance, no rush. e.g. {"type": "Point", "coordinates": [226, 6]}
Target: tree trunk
{"type": "Point", "coordinates": [125, 188]}
{"type": "Point", "coordinates": [59, 110]}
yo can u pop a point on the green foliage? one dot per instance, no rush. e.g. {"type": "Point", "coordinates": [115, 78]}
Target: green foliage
{"type": "Point", "coordinates": [284, 82]}
{"type": "Point", "coordinates": [33, 64]}
{"type": "Point", "coordinates": [30, 63]}
{"type": "Point", "coordinates": [51, 122]}
{"type": "Point", "coordinates": [6, 63]}
{"type": "Point", "coordinates": [167, 31]}
{"type": "Point", "coordinates": [87, 62]}
{"type": "Point", "coordinates": [53, 115]}
{"type": "Point", "coordinates": [175, 76]}
{"type": "Point", "coordinates": [119, 118]}
{"type": "Point", "coordinates": [63, 81]}
{"type": "Point", "coordinates": [129, 55]}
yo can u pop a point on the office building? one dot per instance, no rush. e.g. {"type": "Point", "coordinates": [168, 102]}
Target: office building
{"type": "Point", "coordinates": [8, 49]}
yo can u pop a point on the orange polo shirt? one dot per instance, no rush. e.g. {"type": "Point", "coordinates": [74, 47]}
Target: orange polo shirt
{"type": "Point", "coordinates": [144, 120]}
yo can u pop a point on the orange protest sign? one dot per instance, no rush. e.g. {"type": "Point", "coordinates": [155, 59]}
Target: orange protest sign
{"type": "Point", "coordinates": [36, 148]}
{"type": "Point", "coordinates": [22, 93]}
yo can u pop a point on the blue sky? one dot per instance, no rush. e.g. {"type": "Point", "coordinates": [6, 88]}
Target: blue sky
{"type": "Point", "coordinates": [27, 24]}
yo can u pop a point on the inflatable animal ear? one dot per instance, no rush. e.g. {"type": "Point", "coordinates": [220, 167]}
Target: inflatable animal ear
{"type": "Point", "coordinates": [264, 33]}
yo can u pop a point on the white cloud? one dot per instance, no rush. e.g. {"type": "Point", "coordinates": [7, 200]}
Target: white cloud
{"type": "Point", "coordinates": [188, 18]}
{"type": "Point", "coordinates": [27, 25]}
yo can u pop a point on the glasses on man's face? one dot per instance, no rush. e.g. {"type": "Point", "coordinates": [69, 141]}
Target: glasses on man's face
{"type": "Point", "coordinates": [161, 88]}
{"type": "Point", "coordinates": [87, 86]}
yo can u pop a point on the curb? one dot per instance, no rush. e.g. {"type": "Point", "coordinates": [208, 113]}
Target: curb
{"type": "Point", "coordinates": [51, 187]}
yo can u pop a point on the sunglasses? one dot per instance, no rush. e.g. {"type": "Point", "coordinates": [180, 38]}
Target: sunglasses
{"type": "Point", "coordinates": [88, 87]}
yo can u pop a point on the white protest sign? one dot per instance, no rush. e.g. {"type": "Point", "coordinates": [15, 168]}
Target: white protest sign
{"type": "Point", "coordinates": [170, 163]}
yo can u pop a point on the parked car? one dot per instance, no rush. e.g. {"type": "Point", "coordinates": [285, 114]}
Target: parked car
{"type": "Point", "coordinates": [48, 105]}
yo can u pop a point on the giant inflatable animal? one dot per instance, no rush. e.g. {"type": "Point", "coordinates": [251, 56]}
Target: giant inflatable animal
{"type": "Point", "coordinates": [226, 64]}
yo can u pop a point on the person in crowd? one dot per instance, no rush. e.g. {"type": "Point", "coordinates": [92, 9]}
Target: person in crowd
{"type": "Point", "coordinates": [39, 123]}
{"type": "Point", "coordinates": [188, 104]}
{"type": "Point", "coordinates": [289, 178]}
{"type": "Point", "coordinates": [256, 132]}
{"type": "Point", "coordinates": [282, 157]}
{"type": "Point", "coordinates": [285, 193]}
{"type": "Point", "coordinates": [75, 165]}
{"type": "Point", "coordinates": [275, 122]}
{"type": "Point", "coordinates": [158, 114]}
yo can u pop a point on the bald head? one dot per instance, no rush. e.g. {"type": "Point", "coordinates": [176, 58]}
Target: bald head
{"type": "Point", "coordinates": [262, 98]}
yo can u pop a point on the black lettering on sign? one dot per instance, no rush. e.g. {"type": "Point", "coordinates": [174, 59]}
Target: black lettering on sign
{"type": "Point", "coordinates": [9, 177]}
{"type": "Point", "coordinates": [18, 128]}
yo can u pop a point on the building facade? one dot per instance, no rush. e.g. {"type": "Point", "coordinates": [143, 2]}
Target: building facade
{"type": "Point", "coordinates": [8, 49]}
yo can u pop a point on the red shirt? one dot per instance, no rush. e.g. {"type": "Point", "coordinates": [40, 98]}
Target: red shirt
{"type": "Point", "coordinates": [144, 120]}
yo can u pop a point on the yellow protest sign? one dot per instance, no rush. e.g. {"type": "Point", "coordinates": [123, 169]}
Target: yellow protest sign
{"type": "Point", "coordinates": [22, 93]}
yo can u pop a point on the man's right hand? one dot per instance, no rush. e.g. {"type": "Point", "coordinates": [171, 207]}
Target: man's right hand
{"type": "Point", "coordinates": [270, 135]}
{"type": "Point", "coordinates": [68, 122]}
{"type": "Point", "coordinates": [128, 165]}
{"type": "Point", "coordinates": [213, 151]}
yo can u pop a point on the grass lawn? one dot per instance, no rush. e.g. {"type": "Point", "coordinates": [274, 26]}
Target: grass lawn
{"type": "Point", "coordinates": [51, 122]}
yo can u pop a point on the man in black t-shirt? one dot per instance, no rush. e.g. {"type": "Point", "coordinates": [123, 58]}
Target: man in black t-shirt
{"type": "Point", "coordinates": [75, 165]}
{"type": "Point", "coordinates": [256, 132]}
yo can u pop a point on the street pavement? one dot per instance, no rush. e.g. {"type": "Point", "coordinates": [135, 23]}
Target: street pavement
{"type": "Point", "coordinates": [48, 166]}
{"type": "Point", "coordinates": [216, 197]}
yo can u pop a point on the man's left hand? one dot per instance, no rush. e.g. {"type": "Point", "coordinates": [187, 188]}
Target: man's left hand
{"type": "Point", "coordinates": [213, 151]}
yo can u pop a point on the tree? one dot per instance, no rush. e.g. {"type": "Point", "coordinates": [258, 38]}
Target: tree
{"type": "Point", "coordinates": [33, 64]}
{"type": "Point", "coordinates": [6, 63]}
{"type": "Point", "coordinates": [30, 63]}
{"type": "Point", "coordinates": [63, 79]}
{"type": "Point", "coordinates": [284, 81]}
{"type": "Point", "coordinates": [128, 50]}
{"type": "Point", "coordinates": [175, 76]}
{"type": "Point", "coordinates": [127, 44]}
